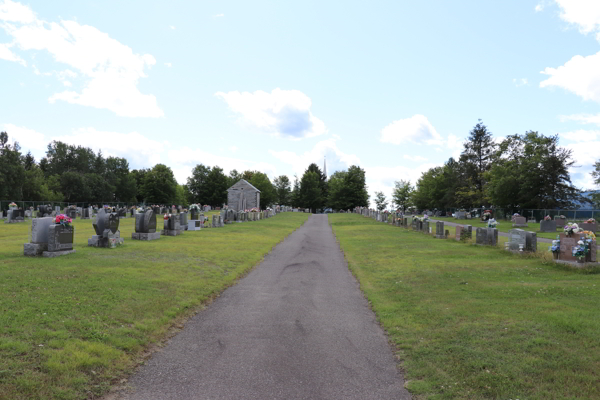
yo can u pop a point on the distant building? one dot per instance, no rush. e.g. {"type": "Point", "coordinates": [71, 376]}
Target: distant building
{"type": "Point", "coordinates": [243, 196]}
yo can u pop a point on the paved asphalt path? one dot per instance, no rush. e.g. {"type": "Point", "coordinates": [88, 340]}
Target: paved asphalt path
{"type": "Point", "coordinates": [297, 327]}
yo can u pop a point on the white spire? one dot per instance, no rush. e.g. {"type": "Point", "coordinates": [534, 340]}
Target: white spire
{"type": "Point", "coordinates": [325, 167]}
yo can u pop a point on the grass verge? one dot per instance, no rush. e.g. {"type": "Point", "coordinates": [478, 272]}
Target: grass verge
{"type": "Point", "coordinates": [473, 322]}
{"type": "Point", "coordinates": [71, 326]}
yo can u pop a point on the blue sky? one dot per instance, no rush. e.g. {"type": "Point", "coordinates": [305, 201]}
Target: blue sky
{"type": "Point", "coordinates": [393, 86]}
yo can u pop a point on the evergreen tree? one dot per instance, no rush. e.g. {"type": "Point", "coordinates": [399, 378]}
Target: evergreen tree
{"type": "Point", "coordinates": [215, 188]}
{"type": "Point", "coordinates": [268, 195]}
{"type": "Point", "coordinates": [476, 158]}
{"type": "Point", "coordinates": [310, 191]}
{"type": "Point", "coordinates": [12, 172]}
{"type": "Point", "coordinates": [197, 184]}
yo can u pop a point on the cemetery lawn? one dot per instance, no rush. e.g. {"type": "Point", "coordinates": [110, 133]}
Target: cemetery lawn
{"type": "Point", "coordinates": [474, 322]}
{"type": "Point", "coordinates": [72, 326]}
{"type": "Point", "coordinates": [503, 226]}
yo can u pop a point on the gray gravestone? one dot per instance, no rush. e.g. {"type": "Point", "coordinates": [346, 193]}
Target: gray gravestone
{"type": "Point", "coordinates": [547, 226]}
{"type": "Point", "coordinates": [519, 222]}
{"type": "Point", "coordinates": [145, 226]}
{"type": "Point", "coordinates": [38, 240]}
{"type": "Point", "coordinates": [107, 234]}
{"type": "Point", "coordinates": [439, 230]}
{"type": "Point", "coordinates": [517, 240]}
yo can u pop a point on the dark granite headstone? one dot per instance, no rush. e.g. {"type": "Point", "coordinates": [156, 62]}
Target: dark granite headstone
{"type": "Point", "coordinates": [547, 226]}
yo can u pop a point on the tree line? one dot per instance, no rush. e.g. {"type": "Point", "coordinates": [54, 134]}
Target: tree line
{"type": "Point", "coordinates": [523, 171]}
{"type": "Point", "coordinates": [70, 173]}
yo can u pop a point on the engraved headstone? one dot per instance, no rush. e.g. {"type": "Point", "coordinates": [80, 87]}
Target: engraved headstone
{"type": "Point", "coordinates": [145, 226]}
{"type": "Point", "coordinates": [107, 234]}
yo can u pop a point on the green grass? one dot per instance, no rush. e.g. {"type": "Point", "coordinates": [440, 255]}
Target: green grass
{"type": "Point", "coordinates": [473, 322]}
{"type": "Point", "coordinates": [72, 326]}
{"type": "Point", "coordinates": [503, 226]}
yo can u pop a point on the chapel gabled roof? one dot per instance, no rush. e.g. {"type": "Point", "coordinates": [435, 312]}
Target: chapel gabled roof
{"type": "Point", "coordinates": [248, 183]}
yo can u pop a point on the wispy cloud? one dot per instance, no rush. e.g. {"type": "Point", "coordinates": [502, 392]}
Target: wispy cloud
{"type": "Point", "coordinates": [110, 69]}
{"type": "Point", "coordinates": [218, 15]}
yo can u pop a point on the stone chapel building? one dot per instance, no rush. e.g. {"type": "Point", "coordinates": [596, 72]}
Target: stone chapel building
{"type": "Point", "coordinates": [243, 196]}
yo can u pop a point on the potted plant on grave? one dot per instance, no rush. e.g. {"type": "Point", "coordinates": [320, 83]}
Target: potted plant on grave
{"type": "Point", "coordinates": [570, 229]}
{"type": "Point", "coordinates": [12, 205]}
{"type": "Point", "coordinates": [492, 223]}
{"type": "Point", "coordinates": [547, 218]}
{"type": "Point", "coordinates": [555, 248]}
{"type": "Point", "coordinates": [590, 221]}
{"type": "Point", "coordinates": [487, 214]}
{"type": "Point", "coordinates": [63, 220]}
{"type": "Point", "coordinates": [583, 248]}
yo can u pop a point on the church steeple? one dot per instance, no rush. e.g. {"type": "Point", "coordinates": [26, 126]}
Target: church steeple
{"type": "Point", "coordinates": [325, 168]}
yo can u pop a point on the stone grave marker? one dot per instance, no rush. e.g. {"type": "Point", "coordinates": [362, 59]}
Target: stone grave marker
{"type": "Point", "coordinates": [547, 226]}
{"type": "Point", "coordinates": [60, 240]}
{"type": "Point", "coordinates": [560, 222]}
{"type": "Point", "coordinates": [439, 230]}
{"type": "Point", "coordinates": [38, 238]}
{"type": "Point", "coordinates": [486, 236]}
{"type": "Point", "coordinates": [589, 227]}
{"type": "Point", "coordinates": [145, 226]}
{"type": "Point", "coordinates": [171, 226]}
{"type": "Point", "coordinates": [44, 211]}
{"type": "Point", "coordinates": [519, 222]}
{"type": "Point", "coordinates": [183, 220]}
{"type": "Point", "coordinates": [107, 234]}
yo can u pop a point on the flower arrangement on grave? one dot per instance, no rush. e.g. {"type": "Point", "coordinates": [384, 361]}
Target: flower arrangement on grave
{"type": "Point", "coordinates": [555, 248]}
{"type": "Point", "coordinates": [487, 213]}
{"type": "Point", "coordinates": [62, 219]}
{"type": "Point", "coordinates": [590, 221]}
{"type": "Point", "coordinates": [166, 217]}
{"type": "Point", "coordinates": [254, 209]}
{"type": "Point", "coordinates": [562, 217]}
{"type": "Point", "coordinates": [141, 210]}
{"type": "Point", "coordinates": [425, 218]}
{"type": "Point", "coordinates": [492, 223]}
{"type": "Point", "coordinates": [194, 207]}
{"type": "Point", "coordinates": [583, 247]}
{"type": "Point", "coordinates": [570, 229]}
{"type": "Point", "coordinates": [547, 218]}
{"type": "Point", "coordinates": [13, 204]}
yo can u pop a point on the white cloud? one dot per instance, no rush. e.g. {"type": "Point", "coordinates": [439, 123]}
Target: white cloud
{"type": "Point", "coordinates": [28, 139]}
{"type": "Point", "coordinates": [580, 75]}
{"type": "Point", "coordinates": [414, 158]}
{"type": "Point", "coordinates": [233, 149]}
{"type": "Point", "coordinates": [169, 65]}
{"type": "Point", "coordinates": [8, 55]}
{"type": "Point", "coordinates": [283, 113]}
{"type": "Point", "coordinates": [582, 118]}
{"type": "Point", "coordinates": [539, 7]}
{"type": "Point", "coordinates": [11, 11]}
{"type": "Point", "coordinates": [520, 82]}
{"type": "Point", "coordinates": [218, 15]}
{"type": "Point", "coordinates": [582, 135]}
{"type": "Point", "coordinates": [110, 68]}
{"type": "Point", "coordinates": [416, 129]}
{"type": "Point", "coordinates": [336, 159]}
{"type": "Point", "coordinates": [172, 27]}
{"type": "Point", "coordinates": [585, 14]}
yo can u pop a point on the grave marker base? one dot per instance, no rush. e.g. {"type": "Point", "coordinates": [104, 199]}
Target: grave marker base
{"type": "Point", "coordinates": [34, 249]}
{"type": "Point", "coordinates": [145, 236]}
{"type": "Point", "coordinates": [51, 254]}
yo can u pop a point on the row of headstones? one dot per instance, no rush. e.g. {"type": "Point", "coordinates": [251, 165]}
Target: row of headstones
{"type": "Point", "coordinates": [519, 240]}
{"type": "Point", "coordinates": [50, 239]}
